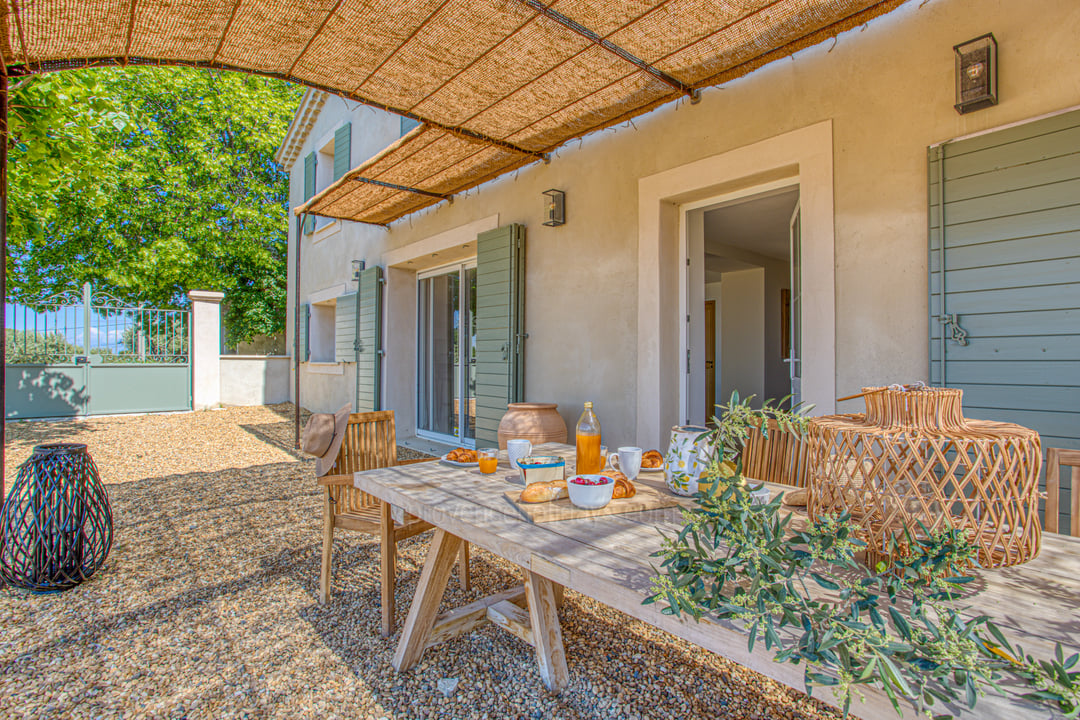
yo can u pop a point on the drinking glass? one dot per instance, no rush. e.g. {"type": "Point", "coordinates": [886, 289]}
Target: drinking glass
{"type": "Point", "coordinates": [488, 459]}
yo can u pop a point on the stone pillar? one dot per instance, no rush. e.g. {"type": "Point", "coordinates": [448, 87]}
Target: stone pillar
{"type": "Point", "coordinates": [205, 348]}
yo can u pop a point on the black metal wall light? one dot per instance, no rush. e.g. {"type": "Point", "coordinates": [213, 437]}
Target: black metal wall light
{"type": "Point", "coordinates": [554, 208]}
{"type": "Point", "coordinates": [976, 74]}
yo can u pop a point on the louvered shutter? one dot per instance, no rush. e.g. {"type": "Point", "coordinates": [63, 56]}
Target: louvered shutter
{"type": "Point", "coordinates": [369, 340]}
{"type": "Point", "coordinates": [342, 150]}
{"type": "Point", "coordinates": [500, 352]}
{"type": "Point", "coordinates": [345, 311]}
{"type": "Point", "coordinates": [1005, 276]}
{"type": "Point", "coordinates": [305, 324]}
{"type": "Point", "coordinates": [309, 189]}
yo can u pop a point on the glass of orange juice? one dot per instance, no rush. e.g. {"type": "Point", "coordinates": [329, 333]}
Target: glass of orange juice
{"type": "Point", "coordinates": [488, 459]}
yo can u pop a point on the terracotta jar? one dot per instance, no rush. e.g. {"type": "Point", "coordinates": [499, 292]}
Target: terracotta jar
{"type": "Point", "coordinates": [535, 422]}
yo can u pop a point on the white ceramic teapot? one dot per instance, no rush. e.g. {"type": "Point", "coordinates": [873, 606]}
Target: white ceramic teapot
{"type": "Point", "coordinates": [688, 457]}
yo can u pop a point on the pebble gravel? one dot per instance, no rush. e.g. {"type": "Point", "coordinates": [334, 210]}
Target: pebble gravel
{"type": "Point", "coordinates": [207, 606]}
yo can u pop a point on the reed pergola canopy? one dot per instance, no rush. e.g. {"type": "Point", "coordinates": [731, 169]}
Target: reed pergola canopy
{"type": "Point", "coordinates": [496, 84]}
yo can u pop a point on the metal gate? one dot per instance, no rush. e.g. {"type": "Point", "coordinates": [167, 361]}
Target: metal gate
{"type": "Point", "coordinates": [91, 354]}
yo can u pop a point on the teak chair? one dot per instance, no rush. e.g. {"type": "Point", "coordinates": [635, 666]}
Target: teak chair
{"type": "Point", "coordinates": [782, 457]}
{"type": "Point", "coordinates": [370, 442]}
{"type": "Point", "coordinates": [1055, 459]}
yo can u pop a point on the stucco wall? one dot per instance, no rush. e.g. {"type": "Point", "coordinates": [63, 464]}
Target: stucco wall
{"type": "Point", "coordinates": [888, 90]}
{"type": "Point", "coordinates": [254, 379]}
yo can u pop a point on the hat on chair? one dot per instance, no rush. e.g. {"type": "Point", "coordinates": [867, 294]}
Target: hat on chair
{"type": "Point", "coordinates": [323, 435]}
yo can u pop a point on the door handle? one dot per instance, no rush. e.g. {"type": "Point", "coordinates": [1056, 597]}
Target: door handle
{"type": "Point", "coordinates": [952, 324]}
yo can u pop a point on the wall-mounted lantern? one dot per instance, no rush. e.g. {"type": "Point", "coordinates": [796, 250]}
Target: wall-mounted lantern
{"type": "Point", "coordinates": [976, 74]}
{"type": "Point", "coordinates": [357, 268]}
{"type": "Point", "coordinates": [554, 208]}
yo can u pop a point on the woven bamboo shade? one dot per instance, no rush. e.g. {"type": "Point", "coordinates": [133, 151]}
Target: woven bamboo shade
{"type": "Point", "coordinates": [498, 84]}
{"type": "Point", "coordinates": [913, 457]}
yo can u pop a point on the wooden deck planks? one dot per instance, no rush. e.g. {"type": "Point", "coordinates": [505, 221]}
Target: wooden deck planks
{"type": "Point", "coordinates": [607, 558]}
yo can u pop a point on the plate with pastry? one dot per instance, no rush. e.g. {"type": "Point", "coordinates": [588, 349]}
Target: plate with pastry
{"type": "Point", "coordinates": [461, 457]}
{"type": "Point", "coordinates": [652, 462]}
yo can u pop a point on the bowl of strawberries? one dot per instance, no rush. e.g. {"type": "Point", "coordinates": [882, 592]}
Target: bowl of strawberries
{"type": "Point", "coordinates": [590, 492]}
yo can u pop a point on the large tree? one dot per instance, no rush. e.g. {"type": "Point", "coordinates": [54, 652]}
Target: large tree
{"type": "Point", "coordinates": [150, 182]}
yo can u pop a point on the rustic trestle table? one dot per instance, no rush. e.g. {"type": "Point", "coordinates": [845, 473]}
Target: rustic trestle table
{"type": "Point", "coordinates": [608, 559]}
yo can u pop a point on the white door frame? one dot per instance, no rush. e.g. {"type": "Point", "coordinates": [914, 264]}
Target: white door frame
{"type": "Point", "coordinates": [806, 154]}
{"type": "Point", "coordinates": [691, 289]}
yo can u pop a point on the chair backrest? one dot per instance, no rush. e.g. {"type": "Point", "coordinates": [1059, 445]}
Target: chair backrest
{"type": "Point", "coordinates": [779, 457]}
{"type": "Point", "coordinates": [1056, 458]}
{"type": "Point", "coordinates": [370, 442]}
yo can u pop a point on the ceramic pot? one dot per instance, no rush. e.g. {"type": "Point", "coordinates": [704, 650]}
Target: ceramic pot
{"type": "Point", "coordinates": [688, 456]}
{"type": "Point", "coordinates": [535, 422]}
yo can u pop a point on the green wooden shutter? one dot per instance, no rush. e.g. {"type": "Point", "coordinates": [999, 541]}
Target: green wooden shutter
{"type": "Point", "coordinates": [345, 311]}
{"type": "Point", "coordinates": [1005, 265]}
{"type": "Point", "coordinates": [342, 150]}
{"type": "Point", "coordinates": [369, 351]}
{"type": "Point", "coordinates": [309, 189]}
{"type": "Point", "coordinates": [305, 324]}
{"type": "Point", "coordinates": [500, 353]}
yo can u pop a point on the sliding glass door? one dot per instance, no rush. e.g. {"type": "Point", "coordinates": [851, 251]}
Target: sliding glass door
{"type": "Point", "coordinates": [446, 355]}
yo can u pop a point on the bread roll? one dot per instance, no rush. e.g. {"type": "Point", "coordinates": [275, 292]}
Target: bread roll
{"type": "Point", "coordinates": [544, 492]}
{"type": "Point", "coordinates": [623, 488]}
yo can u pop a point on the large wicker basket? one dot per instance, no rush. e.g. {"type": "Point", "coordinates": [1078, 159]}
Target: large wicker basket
{"type": "Point", "coordinates": [913, 458]}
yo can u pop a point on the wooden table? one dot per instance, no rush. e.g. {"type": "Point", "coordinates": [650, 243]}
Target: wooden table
{"type": "Point", "coordinates": [607, 558]}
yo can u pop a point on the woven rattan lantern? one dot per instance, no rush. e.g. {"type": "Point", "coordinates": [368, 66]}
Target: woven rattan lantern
{"type": "Point", "coordinates": [913, 458]}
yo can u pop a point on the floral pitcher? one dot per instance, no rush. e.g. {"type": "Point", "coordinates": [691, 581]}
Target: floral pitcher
{"type": "Point", "coordinates": [688, 456]}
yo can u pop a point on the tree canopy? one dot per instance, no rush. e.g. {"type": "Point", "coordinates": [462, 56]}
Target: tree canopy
{"type": "Point", "coordinates": [149, 182]}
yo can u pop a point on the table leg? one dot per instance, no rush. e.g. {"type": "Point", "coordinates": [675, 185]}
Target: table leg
{"type": "Point", "coordinates": [463, 568]}
{"type": "Point", "coordinates": [387, 567]}
{"type": "Point", "coordinates": [425, 605]}
{"type": "Point", "coordinates": [546, 632]}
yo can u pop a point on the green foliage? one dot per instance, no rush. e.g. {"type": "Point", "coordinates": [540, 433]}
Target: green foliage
{"type": "Point", "coordinates": [806, 596]}
{"type": "Point", "coordinates": [27, 346]}
{"type": "Point", "coordinates": [150, 182]}
{"type": "Point", "coordinates": [1056, 681]}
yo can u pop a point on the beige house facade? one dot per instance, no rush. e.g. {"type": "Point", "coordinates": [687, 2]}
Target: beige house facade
{"type": "Point", "coordinates": [771, 238]}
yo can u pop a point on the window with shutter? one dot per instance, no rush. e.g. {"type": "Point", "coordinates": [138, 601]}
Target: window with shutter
{"type": "Point", "coordinates": [368, 335]}
{"type": "Point", "coordinates": [309, 189]}
{"type": "Point", "coordinates": [500, 352]}
{"type": "Point", "coordinates": [305, 322]}
{"type": "Point", "coordinates": [345, 312]}
{"type": "Point", "coordinates": [342, 150]}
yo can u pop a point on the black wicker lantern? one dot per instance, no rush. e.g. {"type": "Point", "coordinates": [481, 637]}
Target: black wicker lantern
{"type": "Point", "coordinates": [56, 524]}
{"type": "Point", "coordinates": [976, 74]}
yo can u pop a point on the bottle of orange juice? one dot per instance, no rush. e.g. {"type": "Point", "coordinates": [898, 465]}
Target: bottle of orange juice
{"type": "Point", "coordinates": [589, 461]}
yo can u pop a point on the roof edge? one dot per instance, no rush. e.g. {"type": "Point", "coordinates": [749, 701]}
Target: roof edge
{"type": "Point", "coordinates": [301, 124]}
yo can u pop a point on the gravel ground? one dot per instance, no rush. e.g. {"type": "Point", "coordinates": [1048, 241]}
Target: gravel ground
{"type": "Point", "coordinates": [206, 607]}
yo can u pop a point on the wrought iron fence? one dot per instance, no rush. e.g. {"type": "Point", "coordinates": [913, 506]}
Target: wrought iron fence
{"type": "Point", "coordinates": [75, 328]}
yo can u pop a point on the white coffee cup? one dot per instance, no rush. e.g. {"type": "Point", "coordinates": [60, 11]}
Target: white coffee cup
{"type": "Point", "coordinates": [627, 461]}
{"type": "Point", "coordinates": [517, 449]}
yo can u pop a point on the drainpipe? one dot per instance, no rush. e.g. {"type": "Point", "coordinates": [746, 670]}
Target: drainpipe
{"type": "Point", "coordinates": [296, 329]}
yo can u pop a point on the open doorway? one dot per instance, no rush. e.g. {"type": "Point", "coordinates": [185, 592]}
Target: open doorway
{"type": "Point", "coordinates": [744, 300]}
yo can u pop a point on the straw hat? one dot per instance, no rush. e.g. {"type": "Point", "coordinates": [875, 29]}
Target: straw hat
{"type": "Point", "coordinates": [323, 436]}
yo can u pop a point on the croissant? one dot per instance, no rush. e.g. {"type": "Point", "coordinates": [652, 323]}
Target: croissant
{"type": "Point", "coordinates": [623, 487]}
{"type": "Point", "coordinates": [652, 460]}
{"type": "Point", "coordinates": [544, 492]}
